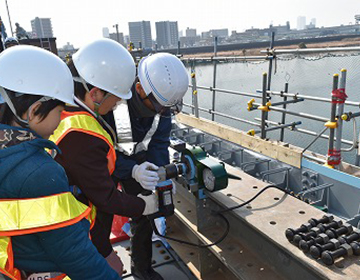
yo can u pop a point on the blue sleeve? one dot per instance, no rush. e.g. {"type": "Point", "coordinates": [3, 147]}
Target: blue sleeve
{"type": "Point", "coordinates": [158, 152]}
{"type": "Point", "coordinates": [70, 247]}
{"type": "Point", "coordinates": [47, 179]}
{"type": "Point", "coordinates": [123, 167]}
{"type": "Point", "coordinates": [72, 250]}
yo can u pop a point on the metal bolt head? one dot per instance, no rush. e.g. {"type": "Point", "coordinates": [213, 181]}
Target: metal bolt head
{"type": "Point", "coordinates": [335, 242]}
{"type": "Point", "coordinates": [327, 258]}
{"type": "Point", "coordinates": [324, 237]}
{"type": "Point", "coordinates": [349, 227]}
{"type": "Point", "coordinates": [315, 251]}
{"type": "Point", "coordinates": [316, 230]}
{"type": "Point", "coordinates": [356, 248]}
{"type": "Point", "coordinates": [348, 248]}
{"type": "Point", "coordinates": [308, 226]}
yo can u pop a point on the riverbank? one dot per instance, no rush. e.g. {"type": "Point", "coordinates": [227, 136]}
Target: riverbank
{"type": "Point", "coordinates": [347, 42]}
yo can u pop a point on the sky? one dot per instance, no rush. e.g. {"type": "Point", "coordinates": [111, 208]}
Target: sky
{"type": "Point", "coordinates": [81, 21]}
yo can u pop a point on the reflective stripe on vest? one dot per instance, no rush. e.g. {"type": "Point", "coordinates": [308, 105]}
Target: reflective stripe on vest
{"type": "Point", "coordinates": [85, 123]}
{"type": "Point", "coordinates": [32, 215]}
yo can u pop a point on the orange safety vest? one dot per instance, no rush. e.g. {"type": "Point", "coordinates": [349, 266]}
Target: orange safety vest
{"type": "Point", "coordinates": [85, 123]}
{"type": "Point", "coordinates": [33, 215]}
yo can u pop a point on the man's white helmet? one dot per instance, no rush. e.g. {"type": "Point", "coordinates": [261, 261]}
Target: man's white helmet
{"type": "Point", "coordinates": [10, 41]}
{"type": "Point", "coordinates": [33, 70]}
{"type": "Point", "coordinates": [165, 76]}
{"type": "Point", "coordinates": [107, 65]}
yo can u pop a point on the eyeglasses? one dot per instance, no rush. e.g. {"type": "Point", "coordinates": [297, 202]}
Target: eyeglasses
{"type": "Point", "coordinates": [157, 106]}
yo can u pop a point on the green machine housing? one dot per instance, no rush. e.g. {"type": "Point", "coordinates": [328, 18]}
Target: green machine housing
{"type": "Point", "coordinates": [204, 171]}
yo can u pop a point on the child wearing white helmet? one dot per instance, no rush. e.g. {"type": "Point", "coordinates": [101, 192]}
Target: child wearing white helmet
{"type": "Point", "coordinates": [43, 228]}
{"type": "Point", "coordinates": [103, 72]}
{"type": "Point", "coordinates": [162, 82]}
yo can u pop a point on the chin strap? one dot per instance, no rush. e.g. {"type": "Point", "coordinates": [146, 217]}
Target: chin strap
{"type": "Point", "coordinates": [96, 116]}
{"type": "Point", "coordinates": [8, 101]}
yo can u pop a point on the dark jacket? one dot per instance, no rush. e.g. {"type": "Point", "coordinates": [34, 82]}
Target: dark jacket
{"type": "Point", "coordinates": [27, 171]}
{"type": "Point", "coordinates": [157, 152]}
{"type": "Point", "coordinates": [84, 158]}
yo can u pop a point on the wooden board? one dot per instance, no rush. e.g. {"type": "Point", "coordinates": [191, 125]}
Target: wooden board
{"type": "Point", "coordinates": [274, 149]}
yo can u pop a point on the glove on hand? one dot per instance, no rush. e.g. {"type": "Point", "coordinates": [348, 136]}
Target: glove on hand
{"type": "Point", "coordinates": [151, 203]}
{"type": "Point", "coordinates": [145, 175]}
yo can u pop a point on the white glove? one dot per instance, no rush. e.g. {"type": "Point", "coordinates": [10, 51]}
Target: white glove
{"type": "Point", "coordinates": [151, 203]}
{"type": "Point", "coordinates": [145, 175]}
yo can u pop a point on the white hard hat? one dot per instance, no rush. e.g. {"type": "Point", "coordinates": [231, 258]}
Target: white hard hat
{"type": "Point", "coordinates": [33, 70]}
{"type": "Point", "coordinates": [107, 65]}
{"type": "Point", "coordinates": [165, 76]}
{"type": "Point", "coordinates": [10, 41]}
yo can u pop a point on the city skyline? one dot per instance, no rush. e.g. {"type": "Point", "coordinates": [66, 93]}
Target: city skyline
{"type": "Point", "coordinates": [79, 21]}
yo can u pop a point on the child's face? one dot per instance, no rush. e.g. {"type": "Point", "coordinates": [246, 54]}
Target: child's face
{"type": "Point", "coordinates": [107, 104]}
{"type": "Point", "coordinates": [107, 101]}
{"type": "Point", "coordinates": [46, 127]}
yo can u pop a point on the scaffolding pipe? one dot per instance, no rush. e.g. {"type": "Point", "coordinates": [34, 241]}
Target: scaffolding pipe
{"type": "Point", "coordinates": [308, 132]}
{"type": "Point", "coordinates": [314, 140]}
{"type": "Point", "coordinates": [214, 78]}
{"type": "Point", "coordinates": [307, 97]}
{"type": "Point", "coordinates": [288, 102]}
{"type": "Point", "coordinates": [7, 8]}
{"type": "Point", "coordinates": [195, 110]}
{"type": "Point", "coordinates": [333, 114]}
{"type": "Point", "coordinates": [303, 115]}
{"type": "Point", "coordinates": [264, 113]}
{"type": "Point", "coordinates": [280, 126]}
{"type": "Point", "coordinates": [225, 58]}
{"type": "Point", "coordinates": [311, 50]}
{"type": "Point", "coordinates": [223, 115]}
{"type": "Point", "coordinates": [340, 112]}
{"type": "Point", "coordinates": [283, 117]}
{"type": "Point", "coordinates": [240, 93]}
{"type": "Point", "coordinates": [271, 58]}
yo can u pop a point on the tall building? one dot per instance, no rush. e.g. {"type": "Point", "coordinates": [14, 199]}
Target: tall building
{"type": "Point", "coordinates": [126, 39]}
{"type": "Point", "coordinates": [117, 37]}
{"type": "Point", "coordinates": [105, 32]}
{"type": "Point", "coordinates": [140, 31]}
{"type": "Point", "coordinates": [42, 28]}
{"type": "Point", "coordinates": [167, 34]}
{"type": "Point", "coordinates": [190, 32]}
{"type": "Point", "coordinates": [224, 33]}
{"type": "Point", "coordinates": [313, 22]}
{"type": "Point", "coordinates": [301, 23]}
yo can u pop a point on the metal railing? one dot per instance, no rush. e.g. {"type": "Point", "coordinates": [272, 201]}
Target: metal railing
{"type": "Point", "coordinates": [338, 100]}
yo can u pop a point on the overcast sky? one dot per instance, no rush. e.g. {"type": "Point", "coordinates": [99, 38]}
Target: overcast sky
{"type": "Point", "coordinates": [80, 21]}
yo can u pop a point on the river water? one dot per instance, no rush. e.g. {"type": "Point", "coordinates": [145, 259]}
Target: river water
{"type": "Point", "coordinates": [307, 75]}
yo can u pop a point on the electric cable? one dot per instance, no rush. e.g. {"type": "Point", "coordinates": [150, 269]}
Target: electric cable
{"type": "Point", "coordinates": [252, 199]}
{"type": "Point", "coordinates": [216, 213]}
{"type": "Point", "coordinates": [152, 222]}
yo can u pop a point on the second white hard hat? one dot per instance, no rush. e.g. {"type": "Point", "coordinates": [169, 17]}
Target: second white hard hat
{"type": "Point", "coordinates": [165, 76]}
{"type": "Point", "coordinates": [33, 70]}
{"type": "Point", "coordinates": [10, 41]}
{"type": "Point", "coordinates": [107, 65]}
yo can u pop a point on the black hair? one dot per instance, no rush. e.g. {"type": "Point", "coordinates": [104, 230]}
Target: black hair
{"type": "Point", "coordinates": [22, 103]}
{"type": "Point", "coordinates": [80, 91]}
